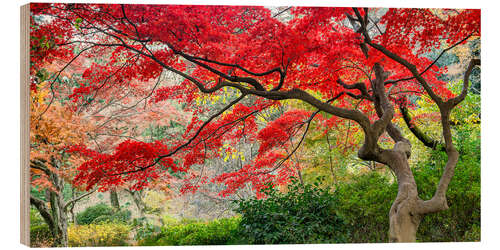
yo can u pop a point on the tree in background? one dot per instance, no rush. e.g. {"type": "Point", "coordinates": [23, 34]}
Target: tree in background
{"type": "Point", "coordinates": [248, 59]}
{"type": "Point", "coordinates": [51, 167]}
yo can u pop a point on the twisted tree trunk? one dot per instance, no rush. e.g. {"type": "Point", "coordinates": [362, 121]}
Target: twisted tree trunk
{"type": "Point", "coordinates": [56, 216]}
{"type": "Point", "coordinates": [408, 209]}
{"type": "Point", "coordinates": [403, 221]}
{"type": "Point", "coordinates": [404, 218]}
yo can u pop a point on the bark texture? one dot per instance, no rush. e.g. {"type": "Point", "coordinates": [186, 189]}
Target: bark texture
{"type": "Point", "coordinates": [113, 197]}
{"type": "Point", "coordinates": [56, 214]}
{"type": "Point", "coordinates": [139, 203]}
{"type": "Point", "coordinates": [403, 217]}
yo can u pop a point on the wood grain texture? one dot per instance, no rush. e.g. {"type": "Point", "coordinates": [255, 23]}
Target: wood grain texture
{"type": "Point", "coordinates": [25, 188]}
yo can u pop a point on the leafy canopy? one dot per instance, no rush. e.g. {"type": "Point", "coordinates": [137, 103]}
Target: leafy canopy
{"type": "Point", "coordinates": [242, 60]}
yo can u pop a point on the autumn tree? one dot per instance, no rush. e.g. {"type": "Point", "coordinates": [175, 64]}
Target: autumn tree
{"type": "Point", "coordinates": [249, 59]}
{"type": "Point", "coordinates": [51, 167]}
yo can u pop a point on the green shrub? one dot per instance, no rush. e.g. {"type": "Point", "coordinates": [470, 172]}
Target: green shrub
{"type": "Point", "coordinates": [305, 214]}
{"type": "Point", "coordinates": [144, 230]}
{"type": "Point", "coordinates": [169, 220]}
{"type": "Point", "coordinates": [216, 232]}
{"type": "Point", "coordinates": [35, 218]}
{"type": "Point", "coordinates": [106, 234]}
{"type": "Point", "coordinates": [91, 213]}
{"type": "Point", "coordinates": [364, 204]}
{"type": "Point", "coordinates": [122, 216]}
{"type": "Point", "coordinates": [474, 234]}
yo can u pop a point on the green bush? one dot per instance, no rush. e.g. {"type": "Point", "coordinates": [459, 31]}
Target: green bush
{"type": "Point", "coordinates": [35, 218]}
{"type": "Point", "coordinates": [304, 214]}
{"type": "Point", "coordinates": [144, 230]}
{"type": "Point", "coordinates": [102, 213]}
{"type": "Point", "coordinates": [216, 232]}
{"type": "Point", "coordinates": [122, 216]}
{"type": "Point", "coordinates": [91, 213]}
{"type": "Point", "coordinates": [364, 204]}
{"type": "Point", "coordinates": [474, 234]}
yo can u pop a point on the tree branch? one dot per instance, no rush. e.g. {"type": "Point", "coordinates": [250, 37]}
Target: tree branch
{"type": "Point", "coordinates": [38, 164]}
{"type": "Point", "coordinates": [44, 210]}
{"type": "Point", "coordinates": [359, 86]}
{"type": "Point", "coordinates": [438, 201]}
{"type": "Point", "coordinates": [189, 141]}
{"type": "Point", "coordinates": [248, 80]}
{"type": "Point", "coordinates": [433, 62]}
{"type": "Point", "coordinates": [78, 198]}
{"type": "Point", "coordinates": [456, 100]}
{"type": "Point", "coordinates": [419, 134]}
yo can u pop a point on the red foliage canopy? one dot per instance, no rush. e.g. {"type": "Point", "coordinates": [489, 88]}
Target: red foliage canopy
{"type": "Point", "coordinates": [322, 56]}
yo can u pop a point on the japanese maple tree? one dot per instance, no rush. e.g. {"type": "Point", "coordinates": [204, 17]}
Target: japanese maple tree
{"type": "Point", "coordinates": [247, 59]}
{"type": "Point", "coordinates": [51, 167]}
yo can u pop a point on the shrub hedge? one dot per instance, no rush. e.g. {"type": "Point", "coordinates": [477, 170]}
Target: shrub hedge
{"type": "Point", "coordinates": [304, 214]}
{"type": "Point", "coordinates": [215, 232]}
{"type": "Point", "coordinates": [88, 215]}
{"type": "Point", "coordinates": [102, 213]}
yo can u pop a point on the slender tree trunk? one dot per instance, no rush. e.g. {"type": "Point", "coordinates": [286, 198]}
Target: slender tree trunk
{"type": "Point", "coordinates": [72, 207]}
{"type": "Point", "coordinates": [113, 196]}
{"type": "Point", "coordinates": [299, 173]}
{"type": "Point", "coordinates": [137, 197]}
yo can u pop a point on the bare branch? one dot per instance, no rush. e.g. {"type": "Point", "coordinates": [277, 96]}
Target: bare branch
{"type": "Point", "coordinates": [465, 87]}
{"type": "Point", "coordinates": [190, 140]}
{"type": "Point", "coordinates": [419, 134]}
{"type": "Point", "coordinates": [438, 201]}
{"type": "Point", "coordinates": [78, 198]}
{"type": "Point", "coordinates": [359, 86]}
{"type": "Point", "coordinates": [57, 77]}
{"type": "Point", "coordinates": [433, 62]}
